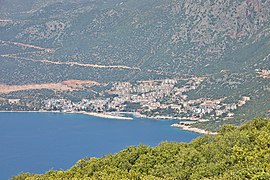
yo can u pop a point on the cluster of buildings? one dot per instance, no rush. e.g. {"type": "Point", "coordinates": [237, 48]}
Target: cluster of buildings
{"type": "Point", "coordinates": [264, 73]}
{"type": "Point", "coordinates": [214, 108]}
{"type": "Point", "coordinates": [158, 98]}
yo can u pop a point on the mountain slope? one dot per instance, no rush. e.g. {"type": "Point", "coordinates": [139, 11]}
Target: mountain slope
{"type": "Point", "coordinates": [125, 40]}
{"type": "Point", "coordinates": [193, 37]}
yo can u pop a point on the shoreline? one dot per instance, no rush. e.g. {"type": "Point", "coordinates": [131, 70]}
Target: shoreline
{"type": "Point", "coordinates": [192, 129]}
{"type": "Point", "coordinates": [137, 114]}
{"type": "Point", "coordinates": [177, 118]}
{"type": "Point", "coordinates": [102, 115]}
{"type": "Point", "coordinates": [117, 117]}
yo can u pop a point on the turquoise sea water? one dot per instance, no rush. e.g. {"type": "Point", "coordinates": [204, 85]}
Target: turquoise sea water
{"type": "Point", "coordinates": [38, 142]}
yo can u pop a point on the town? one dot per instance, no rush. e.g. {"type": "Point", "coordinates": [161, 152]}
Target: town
{"type": "Point", "coordinates": [264, 73]}
{"type": "Point", "coordinates": [165, 98]}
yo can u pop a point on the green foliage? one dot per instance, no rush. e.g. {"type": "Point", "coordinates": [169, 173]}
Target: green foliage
{"type": "Point", "coordinates": [235, 153]}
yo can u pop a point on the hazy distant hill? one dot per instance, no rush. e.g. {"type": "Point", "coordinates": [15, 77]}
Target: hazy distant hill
{"type": "Point", "coordinates": [188, 36]}
{"type": "Point", "coordinates": [125, 40]}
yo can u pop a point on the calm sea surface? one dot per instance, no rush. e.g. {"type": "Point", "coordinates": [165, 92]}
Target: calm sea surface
{"type": "Point", "coordinates": [38, 142]}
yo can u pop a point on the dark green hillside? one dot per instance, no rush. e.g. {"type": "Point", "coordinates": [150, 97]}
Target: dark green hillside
{"type": "Point", "coordinates": [184, 37]}
{"type": "Point", "coordinates": [235, 153]}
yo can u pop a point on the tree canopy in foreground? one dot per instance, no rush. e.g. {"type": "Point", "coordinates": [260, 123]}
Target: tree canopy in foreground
{"type": "Point", "coordinates": [235, 153]}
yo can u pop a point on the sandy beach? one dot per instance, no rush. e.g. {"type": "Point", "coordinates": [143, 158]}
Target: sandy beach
{"type": "Point", "coordinates": [103, 115]}
{"type": "Point", "coordinates": [196, 130]}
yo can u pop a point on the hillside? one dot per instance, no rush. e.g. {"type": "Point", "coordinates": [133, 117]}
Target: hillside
{"type": "Point", "coordinates": [187, 37]}
{"type": "Point", "coordinates": [236, 152]}
{"type": "Point", "coordinates": [227, 42]}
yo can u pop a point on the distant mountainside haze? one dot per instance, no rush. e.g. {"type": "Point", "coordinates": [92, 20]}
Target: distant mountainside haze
{"type": "Point", "coordinates": [226, 41]}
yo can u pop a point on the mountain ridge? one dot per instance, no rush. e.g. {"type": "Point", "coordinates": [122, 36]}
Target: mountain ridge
{"type": "Point", "coordinates": [225, 41]}
{"type": "Point", "coordinates": [186, 37]}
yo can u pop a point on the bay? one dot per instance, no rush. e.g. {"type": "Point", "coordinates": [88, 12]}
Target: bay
{"type": "Point", "coordinates": [38, 142]}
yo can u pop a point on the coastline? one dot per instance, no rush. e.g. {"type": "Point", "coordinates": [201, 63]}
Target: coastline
{"type": "Point", "coordinates": [192, 129]}
{"type": "Point", "coordinates": [115, 116]}
{"type": "Point", "coordinates": [176, 118]}
{"type": "Point", "coordinates": [102, 115]}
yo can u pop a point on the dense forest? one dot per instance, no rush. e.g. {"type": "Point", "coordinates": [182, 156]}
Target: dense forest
{"type": "Point", "coordinates": [235, 153]}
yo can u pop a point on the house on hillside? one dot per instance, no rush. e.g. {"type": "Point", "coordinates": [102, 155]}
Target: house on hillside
{"type": "Point", "coordinates": [14, 101]}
